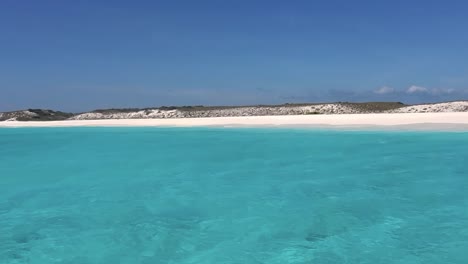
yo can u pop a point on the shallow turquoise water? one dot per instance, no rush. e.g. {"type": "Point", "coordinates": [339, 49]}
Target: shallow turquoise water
{"type": "Point", "coordinates": [166, 195]}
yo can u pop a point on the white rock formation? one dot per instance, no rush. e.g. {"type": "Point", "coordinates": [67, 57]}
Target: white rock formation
{"type": "Point", "coordinates": [460, 106]}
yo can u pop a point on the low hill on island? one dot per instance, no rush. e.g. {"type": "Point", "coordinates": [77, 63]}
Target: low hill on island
{"type": "Point", "coordinates": [227, 111]}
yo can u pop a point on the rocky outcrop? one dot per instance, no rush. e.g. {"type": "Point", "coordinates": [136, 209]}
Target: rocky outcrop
{"type": "Point", "coordinates": [223, 112]}
{"type": "Point", "coordinates": [197, 112]}
{"type": "Point", "coordinates": [34, 115]}
{"type": "Point", "coordinates": [149, 113]}
{"type": "Point", "coordinates": [17, 115]}
{"type": "Point", "coordinates": [460, 106]}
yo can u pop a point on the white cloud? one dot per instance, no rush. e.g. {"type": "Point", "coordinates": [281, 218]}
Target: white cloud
{"type": "Point", "coordinates": [435, 91]}
{"type": "Point", "coordinates": [417, 89]}
{"type": "Point", "coordinates": [384, 90]}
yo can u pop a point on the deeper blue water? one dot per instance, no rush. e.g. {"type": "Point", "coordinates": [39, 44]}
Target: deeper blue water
{"type": "Point", "coordinates": [212, 195]}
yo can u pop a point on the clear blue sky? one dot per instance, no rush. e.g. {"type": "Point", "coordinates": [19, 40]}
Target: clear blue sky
{"type": "Point", "coordinates": [80, 55]}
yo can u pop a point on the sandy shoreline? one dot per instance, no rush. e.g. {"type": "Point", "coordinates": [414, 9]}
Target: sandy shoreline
{"type": "Point", "coordinates": [407, 121]}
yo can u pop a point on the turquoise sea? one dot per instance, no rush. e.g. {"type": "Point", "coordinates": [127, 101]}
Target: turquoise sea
{"type": "Point", "coordinates": [229, 195]}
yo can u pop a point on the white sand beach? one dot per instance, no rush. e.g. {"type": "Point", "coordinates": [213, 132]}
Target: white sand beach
{"type": "Point", "coordinates": [412, 121]}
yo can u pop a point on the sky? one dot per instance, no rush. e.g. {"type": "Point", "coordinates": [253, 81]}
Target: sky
{"type": "Point", "coordinates": [77, 55]}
